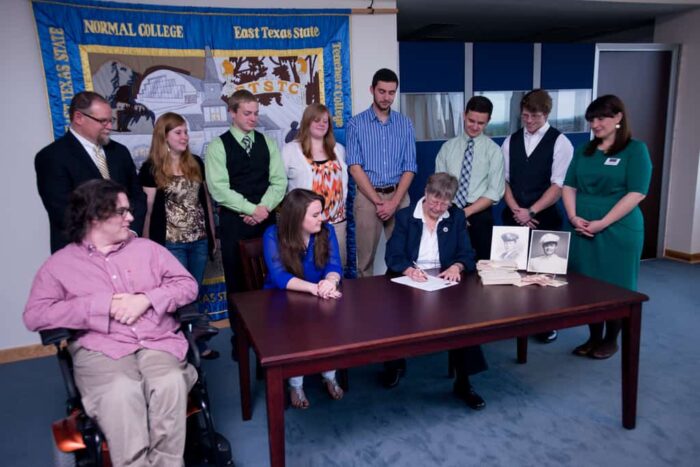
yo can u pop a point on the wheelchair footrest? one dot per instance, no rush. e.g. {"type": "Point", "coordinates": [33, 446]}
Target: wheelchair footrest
{"type": "Point", "coordinates": [66, 433]}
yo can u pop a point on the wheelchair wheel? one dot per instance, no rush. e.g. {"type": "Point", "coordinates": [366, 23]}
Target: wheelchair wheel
{"type": "Point", "coordinates": [63, 459]}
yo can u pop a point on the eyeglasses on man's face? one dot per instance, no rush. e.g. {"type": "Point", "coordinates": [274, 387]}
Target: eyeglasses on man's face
{"type": "Point", "coordinates": [101, 121]}
{"type": "Point", "coordinates": [534, 116]}
{"type": "Point", "coordinates": [124, 212]}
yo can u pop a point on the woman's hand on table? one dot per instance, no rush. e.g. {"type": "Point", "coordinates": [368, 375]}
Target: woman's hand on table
{"type": "Point", "coordinates": [452, 274]}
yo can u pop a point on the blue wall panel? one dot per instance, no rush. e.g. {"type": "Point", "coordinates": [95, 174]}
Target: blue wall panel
{"type": "Point", "coordinates": [502, 67]}
{"type": "Point", "coordinates": [426, 151]}
{"type": "Point", "coordinates": [567, 66]}
{"type": "Point", "coordinates": [577, 139]}
{"type": "Point", "coordinates": [431, 66]}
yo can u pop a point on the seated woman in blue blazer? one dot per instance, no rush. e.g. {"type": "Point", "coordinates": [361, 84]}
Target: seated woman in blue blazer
{"type": "Point", "coordinates": [432, 234]}
{"type": "Point", "coordinates": [302, 254]}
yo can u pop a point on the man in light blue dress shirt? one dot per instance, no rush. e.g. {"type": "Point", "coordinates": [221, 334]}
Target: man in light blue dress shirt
{"type": "Point", "coordinates": [381, 157]}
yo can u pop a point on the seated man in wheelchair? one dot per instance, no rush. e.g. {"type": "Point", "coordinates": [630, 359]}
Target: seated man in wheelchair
{"type": "Point", "coordinates": [119, 292]}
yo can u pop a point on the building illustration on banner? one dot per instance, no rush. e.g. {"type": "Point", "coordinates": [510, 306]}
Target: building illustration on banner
{"type": "Point", "coordinates": [284, 86]}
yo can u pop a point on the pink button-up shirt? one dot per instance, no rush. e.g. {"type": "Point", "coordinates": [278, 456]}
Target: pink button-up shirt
{"type": "Point", "coordinates": [74, 287]}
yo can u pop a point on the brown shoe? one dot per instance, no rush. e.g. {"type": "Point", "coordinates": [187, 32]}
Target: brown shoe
{"type": "Point", "coordinates": [333, 388]}
{"type": "Point", "coordinates": [604, 350]}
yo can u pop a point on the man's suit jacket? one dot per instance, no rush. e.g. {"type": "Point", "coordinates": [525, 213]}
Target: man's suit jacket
{"type": "Point", "coordinates": [453, 241]}
{"type": "Point", "coordinates": [64, 164]}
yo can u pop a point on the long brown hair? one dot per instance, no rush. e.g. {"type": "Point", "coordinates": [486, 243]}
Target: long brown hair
{"type": "Point", "coordinates": [312, 113]}
{"type": "Point", "coordinates": [289, 232]}
{"type": "Point", "coordinates": [159, 154]}
{"type": "Point", "coordinates": [609, 106]}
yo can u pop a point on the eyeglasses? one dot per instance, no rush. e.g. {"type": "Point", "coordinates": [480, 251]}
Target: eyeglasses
{"type": "Point", "coordinates": [531, 116]}
{"type": "Point", "coordinates": [437, 203]}
{"type": "Point", "coordinates": [101, 121]}
{"type": "Point", "coordinates": [124, 211]}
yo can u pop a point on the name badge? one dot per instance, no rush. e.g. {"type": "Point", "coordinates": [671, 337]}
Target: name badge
{"type": "Point", "coordinates": [612, 161]}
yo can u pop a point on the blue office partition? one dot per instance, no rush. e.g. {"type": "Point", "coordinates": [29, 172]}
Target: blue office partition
{"type": "Point", "coordinates": [567, 66]}
{"type": "Point", "coordinates": [502, 66]}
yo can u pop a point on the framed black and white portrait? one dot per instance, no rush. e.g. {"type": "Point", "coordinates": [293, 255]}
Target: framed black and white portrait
{"type": "Point", "coordinates": [549, 252]}
{"type": "Point", "coordinates": [510, 243]}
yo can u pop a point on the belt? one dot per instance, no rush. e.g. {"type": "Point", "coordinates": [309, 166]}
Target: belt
{"type": "Point", "coordinates": [385, 190]}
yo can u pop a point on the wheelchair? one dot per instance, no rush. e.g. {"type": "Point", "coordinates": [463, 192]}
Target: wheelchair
{"type": "Point", "coordinates": [78, 440]}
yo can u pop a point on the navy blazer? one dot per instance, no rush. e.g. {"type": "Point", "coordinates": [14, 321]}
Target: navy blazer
{"type": "Point", "coordinates": [64, 164]}
{"type": "Point", "coordinates": [453, 242]}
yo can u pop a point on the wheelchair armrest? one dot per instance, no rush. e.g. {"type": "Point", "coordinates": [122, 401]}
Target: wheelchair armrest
{"type": "Point", "coordinates": [55, 336]}
{"type": "Point", "coordinates": [188, 313]}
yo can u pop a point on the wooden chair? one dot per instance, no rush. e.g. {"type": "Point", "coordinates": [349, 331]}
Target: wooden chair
{"type": "Point", "coordinates": [253, 263]}
{"type": "Point", "coordinates": [255, 270]}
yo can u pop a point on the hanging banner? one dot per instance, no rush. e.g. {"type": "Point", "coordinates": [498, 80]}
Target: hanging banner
{"type": "Point", "coordinates": [151, 59]}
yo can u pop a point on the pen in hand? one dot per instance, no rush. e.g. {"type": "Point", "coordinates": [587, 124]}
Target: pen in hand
{"type": "Point", "coordinates": [422, 273]}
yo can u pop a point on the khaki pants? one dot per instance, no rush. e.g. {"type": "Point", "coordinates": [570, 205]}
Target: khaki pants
{"type": "Point", "coordinates": [341, 229]}
{"type": "Point", "coordinates": [368, 230]}
{"type": "Point", "coordinates": [139, 402]}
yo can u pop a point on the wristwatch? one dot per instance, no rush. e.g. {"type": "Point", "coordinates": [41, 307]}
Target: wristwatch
{"type": "Point", "coordinates": [532, 213]}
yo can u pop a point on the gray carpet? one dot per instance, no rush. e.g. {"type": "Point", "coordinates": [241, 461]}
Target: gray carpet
{"type": "Point", "coordinates": [556, 410]}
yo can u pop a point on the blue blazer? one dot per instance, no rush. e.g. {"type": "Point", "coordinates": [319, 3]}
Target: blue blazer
{"type": "Point", "coordinates": [453, 242]}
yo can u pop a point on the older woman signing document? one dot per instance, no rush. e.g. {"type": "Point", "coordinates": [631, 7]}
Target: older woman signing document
{"type": "Point", "coordinates": [432, 235]}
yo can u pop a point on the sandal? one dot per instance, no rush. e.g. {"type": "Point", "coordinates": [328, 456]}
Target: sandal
{"type": "Point", "coordinates": [333, 388]}
{"type": "Point", "coordinates": [297, 398]}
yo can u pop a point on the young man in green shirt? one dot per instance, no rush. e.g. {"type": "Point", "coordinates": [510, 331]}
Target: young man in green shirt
{"type": "Point", "coordinates": [245, 175]}
{"type": "Point", "coordinates": [477, 162]}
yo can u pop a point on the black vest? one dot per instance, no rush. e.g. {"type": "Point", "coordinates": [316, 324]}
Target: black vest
{"type": "Point", "coordinates": [531, 176]}
{"type": "Point", "coordinates": [248, 175]}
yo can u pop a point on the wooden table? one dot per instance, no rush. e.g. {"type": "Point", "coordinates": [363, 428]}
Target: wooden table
{"type": "Point", "coordinates": [377, 320]}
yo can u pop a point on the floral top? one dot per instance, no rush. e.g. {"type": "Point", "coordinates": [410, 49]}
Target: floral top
{"type": "Point", "coordinates": [327, 181]}
{"type": "Point", "coordinates": [185, 219]}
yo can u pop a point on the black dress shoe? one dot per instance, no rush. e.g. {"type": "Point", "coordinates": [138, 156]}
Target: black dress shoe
{"type": "Point", "coordinates": [547, 337]}
{"type": "Point", "coordinates": [391, 377]}
{"type": "Point", "coordinates": [469, 396]}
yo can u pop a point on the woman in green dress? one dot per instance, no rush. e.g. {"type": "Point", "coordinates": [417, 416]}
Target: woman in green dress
{"type": "Point", "coordinates": [606, 180]}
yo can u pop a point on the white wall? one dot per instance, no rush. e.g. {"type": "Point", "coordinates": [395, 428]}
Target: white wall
{"type": "Point", "coordinates": [683, 218]}
{"type": "Point", "coordinates": [25, 128]}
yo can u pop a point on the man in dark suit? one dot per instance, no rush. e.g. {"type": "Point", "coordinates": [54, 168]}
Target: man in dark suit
{"type": "Point", "coordinates": [85, 152]}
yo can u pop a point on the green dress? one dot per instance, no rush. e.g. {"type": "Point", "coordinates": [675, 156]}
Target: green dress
{"type": "Point", "coordinates": [600, 180]}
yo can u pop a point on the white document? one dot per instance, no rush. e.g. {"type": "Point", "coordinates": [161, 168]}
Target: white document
{"type": "Point", "coordinates": [433, 283]}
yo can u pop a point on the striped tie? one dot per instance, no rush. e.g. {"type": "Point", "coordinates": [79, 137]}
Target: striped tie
{"type": "Point", "coordinates": [247, 144]}
{"type": "Point", "coordinates": [101, 161]}
{"type": "Point", "coordinates": [465, 174]}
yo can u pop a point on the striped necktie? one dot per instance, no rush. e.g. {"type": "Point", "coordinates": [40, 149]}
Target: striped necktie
{"type": "Point", "coordinates": [247, 144]}
{"type": "Point", "coordinates": [465, 174]}
{"type": "Point", "coordinates": [101, 161]}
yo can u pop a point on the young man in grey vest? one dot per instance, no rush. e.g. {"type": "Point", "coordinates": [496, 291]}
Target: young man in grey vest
{"type": "Point", "coordinates": [536, 158]}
